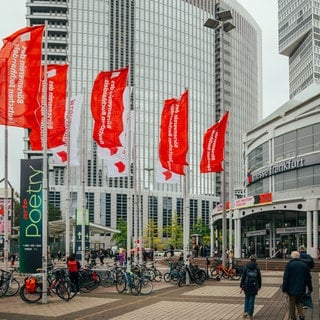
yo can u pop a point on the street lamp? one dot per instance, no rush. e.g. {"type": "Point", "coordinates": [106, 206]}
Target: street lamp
{"type": "Point", "coordinates": [222, 22]}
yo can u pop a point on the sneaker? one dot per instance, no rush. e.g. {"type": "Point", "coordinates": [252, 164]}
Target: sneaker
{"type": "Point", "coordinates": [245, 315]}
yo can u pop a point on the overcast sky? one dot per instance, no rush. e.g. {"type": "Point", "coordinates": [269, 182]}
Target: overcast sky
{"type": "Point", "coordinates": [275, 69]}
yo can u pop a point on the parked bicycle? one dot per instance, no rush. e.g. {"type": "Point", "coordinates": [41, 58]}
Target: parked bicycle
{"type": "Point", "coordinates": [58, 283]}
{"type": "Point", "coordinates": [195, 274]}
{"type": "Point", "coordinates": [173, 275]}
{"type": "Point", "coordinates": [89, 280]}
{"type": "Point", "coordinates": [135, 282]}
{"type": "Point", "coordinates": [231, 271]}
{"type": "Point", "coordinates": [9, 285]}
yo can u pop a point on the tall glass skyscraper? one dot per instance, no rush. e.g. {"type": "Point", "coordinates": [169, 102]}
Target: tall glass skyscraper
{"type": "Point", "coordinates": [299, 39]}
{"type": "Point", "coordinates": [167, 49]}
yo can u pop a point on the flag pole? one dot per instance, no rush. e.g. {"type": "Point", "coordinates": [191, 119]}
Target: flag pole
{"type": "Point", "coordinates": [45, 176]}
{"type": "Point", "coordinates": [83, 183]}
{"type": "Point", "coordinates": [6, 207]}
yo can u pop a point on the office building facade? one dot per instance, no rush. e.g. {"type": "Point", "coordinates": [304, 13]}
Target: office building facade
{"type": "Point", "coordinates": [299, 40]}
{"type": "Point", "coordinates": [167, 49]}
{"type": "Point", "coordinates": [282, 205]}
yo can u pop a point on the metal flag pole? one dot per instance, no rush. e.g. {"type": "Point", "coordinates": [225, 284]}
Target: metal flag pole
{"type": "Point", "coordinates": [186, 224]}
{"type": "Point", "coordinates": [83, 184]}
{"type": "Point", "coordinates": [6, 207]}
{"type": "Point", "coordinates": [45, 176]}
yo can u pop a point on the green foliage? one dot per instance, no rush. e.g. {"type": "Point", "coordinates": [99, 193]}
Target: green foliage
{"type": "Point", "coordinates": [203, 230]}
{"type": "Point", "coordinates": [120, 239]}
{"type": "Point", "coordinates": [174, 232]}
{"type": "Point", "coordinates": [54, 213]}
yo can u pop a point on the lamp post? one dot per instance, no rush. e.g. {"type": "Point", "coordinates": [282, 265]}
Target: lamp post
{"type": "Point", "coordinates": [223, 24]}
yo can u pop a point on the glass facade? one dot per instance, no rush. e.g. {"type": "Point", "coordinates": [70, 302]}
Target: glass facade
{"type": "Point", "coordinates": [299, 39]}
{"type": "Point", "coordinates": [167, 49]}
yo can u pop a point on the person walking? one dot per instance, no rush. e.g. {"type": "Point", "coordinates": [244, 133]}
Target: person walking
{"type": "Point", "coordinates": [250, 283]}
{"type": "Point", "coordinates": [73, 267]}
{"type": "Point", "coordinates": [306, 258]}
{"type": "Point", "coordinates": [296, 279]}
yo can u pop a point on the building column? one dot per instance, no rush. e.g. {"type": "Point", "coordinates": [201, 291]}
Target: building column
{"type": "Point", "coordinates": [309, 231]}
{"type": "Point", "coordinates": [237, 234]}
{"type": "Point", "coordinates": [315, 228]}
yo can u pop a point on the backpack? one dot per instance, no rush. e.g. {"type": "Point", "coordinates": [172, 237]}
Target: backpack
{"type": "Point", "coordinates": [73, 266]}
{"type": "Point", "coordinates": [251, 278]}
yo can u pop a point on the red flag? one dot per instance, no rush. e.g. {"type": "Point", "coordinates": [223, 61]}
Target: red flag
{"type": "Point", "coordinates": [107, 107]}
{"type": "Point", "coordinates": [20, 62]}
{"type": "Point", "coordinates": [173, 146]}
{"type": "Point", "coordinates": [56, 109]}
{"type": "Point", "coordinates": [213, 146]}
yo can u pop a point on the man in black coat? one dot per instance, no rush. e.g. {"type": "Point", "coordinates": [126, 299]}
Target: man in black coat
{"type": "Point", "coordinates": [296, 279]}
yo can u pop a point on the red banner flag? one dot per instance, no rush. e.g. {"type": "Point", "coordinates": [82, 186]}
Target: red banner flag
{"type": "Point", "coordinates": [213, 146]}
{"type": "Point", "coordinates": [107, 107]}
{"type": "Point", "coordinates": [173, 146]}
{"type": "Point", "coordinates": [56, 109]}
{"type": "Point", "coordinates": [20, 68]}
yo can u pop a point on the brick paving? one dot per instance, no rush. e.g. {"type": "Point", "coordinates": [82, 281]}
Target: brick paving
{"type": "Point", "coordinates": [214, 300]}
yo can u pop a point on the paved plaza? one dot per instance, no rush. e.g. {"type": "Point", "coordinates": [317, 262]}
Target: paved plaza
{"type": "Point", "coordinates": [214, 300]}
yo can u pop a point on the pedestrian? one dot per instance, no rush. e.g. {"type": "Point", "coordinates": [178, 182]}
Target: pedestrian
{"type": "Point", "coordinates": [122, 257]}
{"type": "Point", "coordinates": [73, 267]}
{"type": "Point", "coordinates": [101, 256]}
{"type": "Point", "coordinates": [171, 250]}
{"type": "Point", "coordinates": [305, 257]}
{"type": "Point", "coordinates": [296, 279]}
{"type": "Point", "coordinates": [12, 259]}
{"type": "Point", "coordinates": [250, 283]}
{"type": "Point", "coordinates": [59, 255]}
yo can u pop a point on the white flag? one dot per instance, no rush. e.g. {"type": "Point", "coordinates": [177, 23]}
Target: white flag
{"type": "Point", "coordinates": [165, 176]}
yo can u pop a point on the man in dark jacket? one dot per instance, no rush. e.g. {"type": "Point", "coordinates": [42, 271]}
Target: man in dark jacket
{"type": "Point", "coordinates": [250, 283]}
{"type": "Point", "coordinates": [305, 257]}
{"type": "Point", "coordinates": [296, 279]}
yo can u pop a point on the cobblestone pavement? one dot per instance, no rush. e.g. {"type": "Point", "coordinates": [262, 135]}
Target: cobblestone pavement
{"type": "Point", "coordinates": [214, 300]}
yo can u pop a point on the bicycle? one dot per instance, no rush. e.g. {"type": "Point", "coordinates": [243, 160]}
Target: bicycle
{"type": "Point", "coordinates": [32, 289]}
{"type": "Point", "coordinates": [173, 275]}
{"type": "Point", "coordinates": [9, 286]}
{"type": "Point", "coordinates": [196, 275]}
{"type": "Point", "coordinates": [219, 270]}
{"type": "Point", "coordinates": [88, 280]}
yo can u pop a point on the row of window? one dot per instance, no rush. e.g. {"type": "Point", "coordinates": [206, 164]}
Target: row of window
{"type": "Point", "coordinates": [291, 144]}
{"type": "Point", "coordinates": [168, 211]}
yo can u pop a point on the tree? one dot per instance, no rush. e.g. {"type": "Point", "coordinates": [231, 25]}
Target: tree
{"type": "Point", "coordinates": [174, 233]}
{"type": "Point", "coordinates": [203, 230]}
{"type": "Point", "coordinates": [54, 213]}
{"type": "Point", "coordinates": [120, 239]}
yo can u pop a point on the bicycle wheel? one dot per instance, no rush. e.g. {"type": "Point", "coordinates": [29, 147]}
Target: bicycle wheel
{"type": "Point", "coordinates": [31, 297]}
{"type": "Point", "coordinates": [3, 287]}
{"type": "Point", "coordinates": [62, 291]}
{"type": "Point", "coordinates": [13, 287]}
{"type": "Point", "coordinates": [136, 284]}
{"type": "Point", "coordinates": [236, 273]}
{"type": "Point", "coordinates": [121, 283]}
{"type": "Point", "coordinates": [157, 275]}
{"type": "Point", "coordinates": [146, 286]}
{"type": "Point", "coordinates": [71, 288]}
{"type": "Point", "coordinates": [214, 271]}
{"type": "Point", "coordinates": [167, 277]}
{"type": "Point", "coordinates": [106, 278]}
